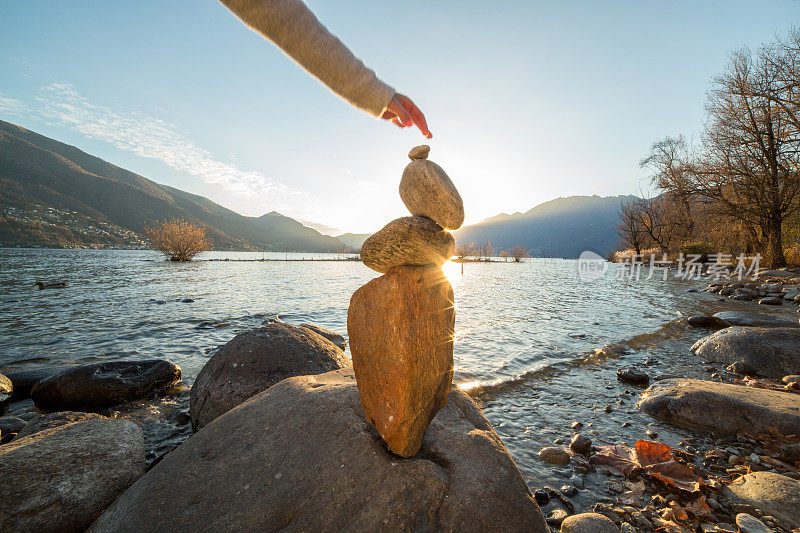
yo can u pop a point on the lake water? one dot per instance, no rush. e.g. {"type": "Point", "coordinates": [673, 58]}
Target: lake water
{"type": "Point", "coordinates": [535, 345]}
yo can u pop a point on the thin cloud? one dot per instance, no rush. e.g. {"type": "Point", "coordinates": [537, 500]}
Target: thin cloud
{"type": "Point", "coordinates": [153, 138]}
{"type": "Point", "coordinates": [12, 106]}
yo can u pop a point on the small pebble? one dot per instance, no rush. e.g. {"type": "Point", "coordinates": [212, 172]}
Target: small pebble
{"type": "Point", "coordinates": [541, 496]}
{"type": "Point", "coordinates": [576, 426]}
{"type": "Point", "coordinates": [754, 458]}
{"type": "Point", "coordinates": [569, 491]}
{"type": "Point", "coordinates": [576, 481]}
{"type": "Point", "coordinates": [419, 152]}
{"type": "Point", "coordinates": [555, 517]}
{"type": "Point", "coordinates": [750, 524]}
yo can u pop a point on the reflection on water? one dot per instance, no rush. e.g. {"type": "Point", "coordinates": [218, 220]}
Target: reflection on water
{"type": "Point", "coordinates": [525, 341]}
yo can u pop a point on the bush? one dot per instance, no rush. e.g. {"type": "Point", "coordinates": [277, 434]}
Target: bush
{"type": "Point", "coordinates": [793, 255]}
{"type": "Point", "coordinates": [178, 239]}
{"type": "Point", "coordinates": [703, 249]}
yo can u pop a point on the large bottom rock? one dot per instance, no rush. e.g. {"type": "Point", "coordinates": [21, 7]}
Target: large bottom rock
{"type": "Point", "coordinates": [401, 336]}
{"type": "Point", "coordinates": [54, 420]}
{"type": "Point", "coordinates": [301, 457]}
{"type": "Point", "coordinates": [61, 479]}
{"type": "Point", "coordinates": [255, 360]}
{"type": "Point", "coordinates": [771, 493]}
{"type": "Point", "coordinates": [772, 352]}
{"type": "Point", "coordinates": [101, 385]}
{"type": "Point", "coordinates": [758, 320]}
{"type": "Point", "coordinates": [721, 407]}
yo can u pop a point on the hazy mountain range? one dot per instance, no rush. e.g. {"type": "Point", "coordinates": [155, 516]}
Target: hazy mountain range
{"type": "Point", "coordinates": [55, 195]}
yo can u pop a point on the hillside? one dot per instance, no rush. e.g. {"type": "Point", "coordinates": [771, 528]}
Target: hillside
{"type": "Point", "coordinates": [53, 194]}
{"type": "Point", "coordinates": [563, 227]}
{"type": "Point", "coordinates": [353, 240]}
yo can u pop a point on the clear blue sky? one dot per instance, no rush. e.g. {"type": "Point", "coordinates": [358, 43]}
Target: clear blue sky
{"type": "Point", "coordinates": [528, 101]}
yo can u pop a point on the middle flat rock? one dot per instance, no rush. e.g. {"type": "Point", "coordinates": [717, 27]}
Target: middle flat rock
{"type": "Point", "coordinates": [722, 407]}
{"type": "Point", "coordinates": [401, 338]}
{"type": "Point", "coordinates": [414, 241]}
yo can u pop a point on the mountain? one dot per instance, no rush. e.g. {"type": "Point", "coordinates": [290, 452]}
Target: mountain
{"type": "Point", "coordinates": [353, 240]}
{"type": "Point", "coordinates": [563, 227]}
{"type": "Point", "coordinates": [53, 194]}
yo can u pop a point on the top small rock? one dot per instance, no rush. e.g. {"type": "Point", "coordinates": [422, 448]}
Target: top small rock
{"type": "Point", "coordinates": [419, 152]}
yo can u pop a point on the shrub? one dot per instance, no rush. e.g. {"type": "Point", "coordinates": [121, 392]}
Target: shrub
{"type": "Point", "coordinates": [178, 239]}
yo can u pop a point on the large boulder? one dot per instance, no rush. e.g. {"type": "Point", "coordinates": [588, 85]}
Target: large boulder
{"type": "Point", "coordinates": [25, 378]}
{"type": "Point", "coordinates": [61, 479]}
{"type": "Point", "coordinates": [54, 420]}
{"type": "Point", "coordinates": [401, 337]}
{"type": "Point", "coordinates": [255, 360]}
{"type": "Point", "coordinates": [332, 336]}
{"type": "Point", "coordinates": [721, 407]}
{"type": "Point", "coordinates": [301, 457]}
{"type": "Point", "coordinates": [6, 390]}
{"type": "Point", "coordinates": [415, 241]}
{"type": "Point", "coordinates": [771, 493]}
{"type": "Point", "coordinates": [100, 385]}
{"type": "Point", "coordinates": [427, 191]}
{"type": "Point", "coordinates": [772, 352]}
{"type": "Point", "coordinates": [760, 320]}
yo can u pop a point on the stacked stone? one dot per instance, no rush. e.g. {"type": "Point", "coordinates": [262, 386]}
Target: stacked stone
{"type": "Point", "coordinates": [401, 324]}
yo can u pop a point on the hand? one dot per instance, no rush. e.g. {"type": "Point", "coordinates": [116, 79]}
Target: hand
{"type": "Point", "coordinates": [402, 112]}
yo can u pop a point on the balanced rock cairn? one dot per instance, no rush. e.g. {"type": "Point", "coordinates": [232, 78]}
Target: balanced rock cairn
{"type": "Point", "coordinates": [401, 324]}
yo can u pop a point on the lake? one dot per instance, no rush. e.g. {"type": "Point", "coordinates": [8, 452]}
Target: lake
{"type": "Point", "coordinates": [534, 344]}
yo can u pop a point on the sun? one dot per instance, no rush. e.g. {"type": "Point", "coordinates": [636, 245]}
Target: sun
{"type": "Point", "coordinates": [452, 271]}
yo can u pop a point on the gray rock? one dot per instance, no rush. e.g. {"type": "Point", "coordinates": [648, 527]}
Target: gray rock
{"type": "Point", "coordinates": [25, 378]}
{"type": "Point", "coordinates": [427, 191]}
{"type": "Point", "coordinates": [332, 336]}
{"type": "Point", "coordinates": [9, 427]}
{"type": "Point", "coordinates": [721, 407]}
{"type": "Point", "coordinates": [100, 385]}
{"type": "Point", "coordinates": [301, 456]}
{"type": "Point", "coordinates": [556, 517]}
{"type": "Point", "coordinates": [255, 360]}
{"type": "Point", "coordinates": [743, 318]}
{"type": "Point", "coordinates": [54, 420]}
{"type": "Point", "coordinates": [61, 479]}
{"type": "Point", "coordinates": [776, 274]}
{"type": "Point", "coordinates": [554, 455]}
{"type": "Point", "coordinates": [701, 321]}
{"type": "Point", "coordinates": [771, 300]}
{"type": "Point", "coordinates": [6, 390]}
{"type": "Point", "coordinates": [750, 524]}
{"type": "Point", "coordinates": [771, 493]}
{"type": "Point", "coordinates": [412, 241]}
{"type": "Point", "coordinates": [588, 523]}
{"type": "Point", "coordinates": [419, 152]}
{"type": "Point", "coordinates": [772, 352]}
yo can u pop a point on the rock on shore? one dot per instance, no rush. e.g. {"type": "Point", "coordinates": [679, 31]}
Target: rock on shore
{"type": "Point", "coordinates": [100, 385]}
{"type": "Point", "coordinates": [721, 407]}
{"type": "Point", "coordinates": [416, 241]}
{"type": "Point", "coordinates": [6, 390]}
{"type": "Point", "coordinates": [401, 337]}
{"type": "Point", "coordinates": [255, 360]}
{"type": "Point", "coordinates": [301, 456]}
{"type": "Point", "coordinates": [61, 479]}
{"type": "Point", "coordinates": [25, 378]}
{"type": "Point", "coordinates": [772, 352]}
{"type": "Point", "coordinates": [772, 493]}
{"type": "Point", "coordinates": [588, 523]}
{"type": "Point", "coordinates": [763, 320]}
{"type": "Point", "coordinates": [54, 420]}
{"type": "Point", "coordinates": [332, 336]}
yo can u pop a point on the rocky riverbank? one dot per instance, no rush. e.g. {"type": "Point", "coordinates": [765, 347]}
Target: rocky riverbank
{"type": "Point", "coordinates": [652, 438]}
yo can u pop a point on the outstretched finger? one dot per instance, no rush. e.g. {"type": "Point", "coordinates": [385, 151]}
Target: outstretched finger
{"type": "Point", "coordinates": [416, 115]}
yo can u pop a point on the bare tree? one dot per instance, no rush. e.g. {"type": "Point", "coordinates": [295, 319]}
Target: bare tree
{"type": "Point", "coordinates": [751, 148]}
{"type": "Point", "coordinates": [519, 252]}
{"type": "Point", "coordinates": [630, 227]}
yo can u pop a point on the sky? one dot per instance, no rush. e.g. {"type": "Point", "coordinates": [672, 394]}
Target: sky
{"type": "Point", "coordinates": [527, 100]}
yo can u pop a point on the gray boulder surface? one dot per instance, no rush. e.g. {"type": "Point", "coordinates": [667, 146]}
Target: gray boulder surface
{"type": "Point", "coordinates": [100, 385]}
{"type": "Point", "coordinates": [54, 420]}
{"type": "Point", "coordinates": [773, 494]}
{"type": "Point", "coordinates": [61, 479]}
{"type": "Point", "coordinates": [722, 407]}
{"type": "Point", "coordinates": [588, 523]}
{"type": "Point", "coordinates": [745, 318]}
{"type": "Point", "coordinates": [301, 457]}
{"type": "Point", "coordinates": [255, 360]}
{"type": "Point", "coordinates": [771, 352]}
{"type": "Point", "coordinates": [332, 336]}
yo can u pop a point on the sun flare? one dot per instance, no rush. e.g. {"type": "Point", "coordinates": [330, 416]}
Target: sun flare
{"type": "Point", "coordinates": [452, 271]}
